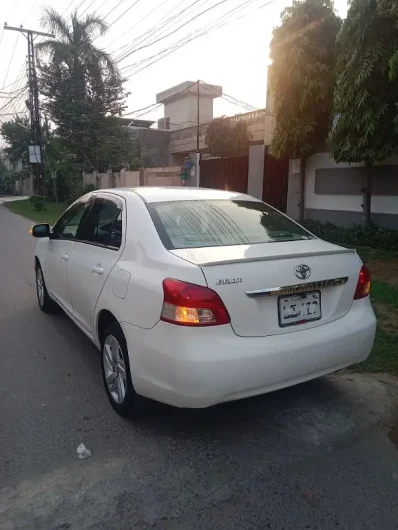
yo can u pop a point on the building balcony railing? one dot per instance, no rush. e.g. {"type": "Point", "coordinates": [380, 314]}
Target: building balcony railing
{"type": "Point", "coordinates": [256, 116]}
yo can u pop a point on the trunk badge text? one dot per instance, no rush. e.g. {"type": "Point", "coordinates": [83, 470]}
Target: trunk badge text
{"type": "Point", "coordinates": [302, 272]}
{"type": "Point", "coordinates": [228, 281]}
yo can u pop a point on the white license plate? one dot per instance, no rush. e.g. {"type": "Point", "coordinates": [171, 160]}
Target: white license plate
{"type": "Point", "coordinates": [299, 308]}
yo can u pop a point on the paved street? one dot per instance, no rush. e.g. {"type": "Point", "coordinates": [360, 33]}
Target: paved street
{"type": "Point", "coordinates": [318, 456]}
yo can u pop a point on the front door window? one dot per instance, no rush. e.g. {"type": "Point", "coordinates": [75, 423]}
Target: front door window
{"type": "Point", "coordinates": [68, 224]}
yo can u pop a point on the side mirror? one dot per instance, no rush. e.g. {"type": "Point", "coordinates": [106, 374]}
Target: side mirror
{"type": "Point", "coordinates": [41, 230]}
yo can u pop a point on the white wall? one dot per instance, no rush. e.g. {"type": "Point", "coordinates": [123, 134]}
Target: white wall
{"type": "Point", "coordinates": [183, 112]}
{"type": "Point", "coordinates": [380, 203]}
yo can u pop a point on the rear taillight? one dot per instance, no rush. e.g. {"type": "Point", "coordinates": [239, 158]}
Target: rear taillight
{"type": "Point", "coordinates": [363, 285]}
{"type": "Point", "coordinates": [186, 304]}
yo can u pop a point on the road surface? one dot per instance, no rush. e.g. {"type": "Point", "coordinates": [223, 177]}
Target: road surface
{"type": "Point", "coordinates": [318, 456]}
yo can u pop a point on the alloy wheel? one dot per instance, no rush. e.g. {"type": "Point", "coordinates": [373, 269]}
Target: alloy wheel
{"type": "Point", "coordinates": [40, 286]}
{"type": "Point", "coordinates": [114, 369]}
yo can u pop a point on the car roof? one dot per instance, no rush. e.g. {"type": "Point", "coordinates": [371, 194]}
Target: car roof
{"type": "Point", "coordinates": [179, 193]}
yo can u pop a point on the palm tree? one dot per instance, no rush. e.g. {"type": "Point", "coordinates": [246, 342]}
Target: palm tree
{"type": "Point", "coordinates": [74, 43]}
{"type": "Point", "coordinates": [80, 82]}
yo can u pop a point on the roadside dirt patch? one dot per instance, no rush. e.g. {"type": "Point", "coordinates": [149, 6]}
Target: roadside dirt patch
{"type": "Point", "coordinates": [387, 317]}
{"type": "Point", "coordinates": [386, 271]}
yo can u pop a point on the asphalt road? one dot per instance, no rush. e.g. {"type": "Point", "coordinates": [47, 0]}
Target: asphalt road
{"type": "Point", "coordinates": [317, 456]}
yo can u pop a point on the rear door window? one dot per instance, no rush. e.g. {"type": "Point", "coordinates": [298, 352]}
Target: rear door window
{"type": "Point", "coordinates": [103, 225]}
{"type": "Point", "coordinates": [190, 224]}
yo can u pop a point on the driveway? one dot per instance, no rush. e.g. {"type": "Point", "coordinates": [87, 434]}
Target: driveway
{"type": "Point", "coordinates": [317, 456]}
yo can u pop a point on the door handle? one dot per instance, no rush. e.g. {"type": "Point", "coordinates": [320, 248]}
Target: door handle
{"type": "Point", "coordinates": [65, 257]}
{"type": "Point", "coordinates": [97, 269]}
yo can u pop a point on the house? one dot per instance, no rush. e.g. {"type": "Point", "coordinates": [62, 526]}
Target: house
{"type": "Point", "coordinates": [333, 192]}
{"type": "Point", "coordinates": [177, 132]}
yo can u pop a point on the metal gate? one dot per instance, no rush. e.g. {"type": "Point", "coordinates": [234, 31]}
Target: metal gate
{"type": "Point", "coordinates": [225, 173]}
{"type": "Point", "coordinates": [275, 181]}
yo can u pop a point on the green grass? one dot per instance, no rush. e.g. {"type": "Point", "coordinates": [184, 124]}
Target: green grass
{"type": "Point", "coordinates": [384, 356]}
{"type": "Point", "coordinates": [368, 254]}
{"type": "Point", "coordinates": [25, 208]}
{"type": "Point", "coordinates": [385, 293]}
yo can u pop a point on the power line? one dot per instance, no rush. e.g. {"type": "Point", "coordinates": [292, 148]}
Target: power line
{"type": "Point", "coordinates": [158, 105]}
{"type": "Point", "coordinates": [12, 114]}
{"type": "Point", "coordinates": [29, 12]}
{"type": "Point", "coordinates": [205, 86]}
{"type": "Point", "coordinates": [67, 7]}
{"type": "Point", "coordinates": [20, 75]}
{"type": "Point", "coordinates": [103, 2]}
{"type": "Point", "coordinates": [87, 8]}
{"type": "Point", "coordinates": [19, 93]}
{"type": "Point", "coordinates": [163, 22]}
{"type": "Point", "coordinates": [7, 18]}
{"type": "Point", "coordinates": [75, 8]}
{"type": "Point", "coordinates": [10, 101]}
{"type": "Point", "coordinates": [8, 94]}
{"type": "Point", "coordinates": [230, 99]}
{"type": "Point", "coordinates": [143, 108]}
{"type": "Point", "coordinates": [124, 12]}
{"type": "Point", "coordinates": [174, 31]}
{"type": "Point", "coordinates": [113, 9]}
{"type": "Point", "coordinates": [222, 20]}
{"type": "Point", "coordinates": [9, 64]}
{"type": "Point", "coordinates": [135, 25]}
{"type": "Point", "coordinates": [186, 40]}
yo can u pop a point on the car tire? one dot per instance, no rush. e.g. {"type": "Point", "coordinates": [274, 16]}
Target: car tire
{"type": "Point", "coordinates": [116, 373]}
{"type": "Point", "coordinates": [46, 304]}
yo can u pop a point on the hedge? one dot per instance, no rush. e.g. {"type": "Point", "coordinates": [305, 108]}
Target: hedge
{"type": "Point", "coordinates": [375, 237]}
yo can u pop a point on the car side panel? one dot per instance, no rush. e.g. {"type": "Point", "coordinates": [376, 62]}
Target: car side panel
{"type": "Point", "coordinates": [147, 263]}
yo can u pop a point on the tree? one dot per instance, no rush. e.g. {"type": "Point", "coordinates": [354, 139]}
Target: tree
{"type": "Point", "coordinates": [115, 148]}
{"type": "Point", "coordinates": [365, 107]}
{"type": "Point", "coordinates": [389, 9]}
{"type": "Point", "coordinates": [17, 136]}
{"type": "Point", "coordinates": [224, 137]}
{"type": "Point", "coordinates": [82, 88]}
{"type": "Point", "coordinates": [302, 80]}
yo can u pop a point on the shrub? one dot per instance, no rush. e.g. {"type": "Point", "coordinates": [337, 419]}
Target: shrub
{"type": "Point", "coordinates": [375, 237]}
{"type": "Point", "coordinates": [38, 202]}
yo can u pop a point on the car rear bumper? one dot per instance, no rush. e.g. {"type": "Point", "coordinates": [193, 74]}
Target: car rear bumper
{"type": "Point", "coordinates": [196, 368]}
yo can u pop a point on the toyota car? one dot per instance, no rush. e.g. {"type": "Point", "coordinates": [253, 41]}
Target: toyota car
{"type": "Point", "coordinates": [196, 297]}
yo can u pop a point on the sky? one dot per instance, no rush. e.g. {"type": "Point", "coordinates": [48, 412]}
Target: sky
{"type": "Point", "coordinates": [232, 53]}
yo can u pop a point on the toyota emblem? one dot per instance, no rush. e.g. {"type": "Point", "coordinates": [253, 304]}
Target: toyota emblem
{"type": "Point", "coordinates": [302, 272]}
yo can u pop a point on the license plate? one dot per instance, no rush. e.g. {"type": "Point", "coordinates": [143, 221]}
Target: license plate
{"type": "Point", "coordinates": [299, 308]}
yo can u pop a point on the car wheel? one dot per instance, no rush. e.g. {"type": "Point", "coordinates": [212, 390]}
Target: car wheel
{"type": "Point", "coordinates": [46, 304]}
{"type": "Point", "coordinates": [116, 372]}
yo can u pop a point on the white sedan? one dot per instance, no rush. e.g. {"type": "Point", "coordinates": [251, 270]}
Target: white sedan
{"type": "Point", "coordinates": [196, 297]}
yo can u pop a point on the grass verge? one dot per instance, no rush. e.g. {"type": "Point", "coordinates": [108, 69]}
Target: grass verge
{"type": "Point", "coordinates": [25, 208]}
{"type": "Point", "coordinates": [368, 254]}
{"type": "Point", "coordinates": [384, 356]}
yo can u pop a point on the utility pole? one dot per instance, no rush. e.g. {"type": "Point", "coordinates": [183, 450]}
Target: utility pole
{"type": "Point", "coordinates": [36, 149]}
{"type": "Point", "coordinates": [198, 124]}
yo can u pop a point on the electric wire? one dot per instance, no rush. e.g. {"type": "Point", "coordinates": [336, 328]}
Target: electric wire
{"type": "Point", "coordinates": [221, 21]}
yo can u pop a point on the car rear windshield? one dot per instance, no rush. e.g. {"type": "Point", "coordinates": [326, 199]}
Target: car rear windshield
{"type": "Point", "coordinates": [193, 224]}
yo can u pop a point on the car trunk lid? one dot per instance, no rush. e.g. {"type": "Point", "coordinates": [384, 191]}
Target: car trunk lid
{"type": "Point", "coordinates": [280, 287]}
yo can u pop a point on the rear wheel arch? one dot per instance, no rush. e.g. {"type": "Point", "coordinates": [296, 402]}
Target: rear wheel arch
{"type": "Point", "coordinates": [104, 319]}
